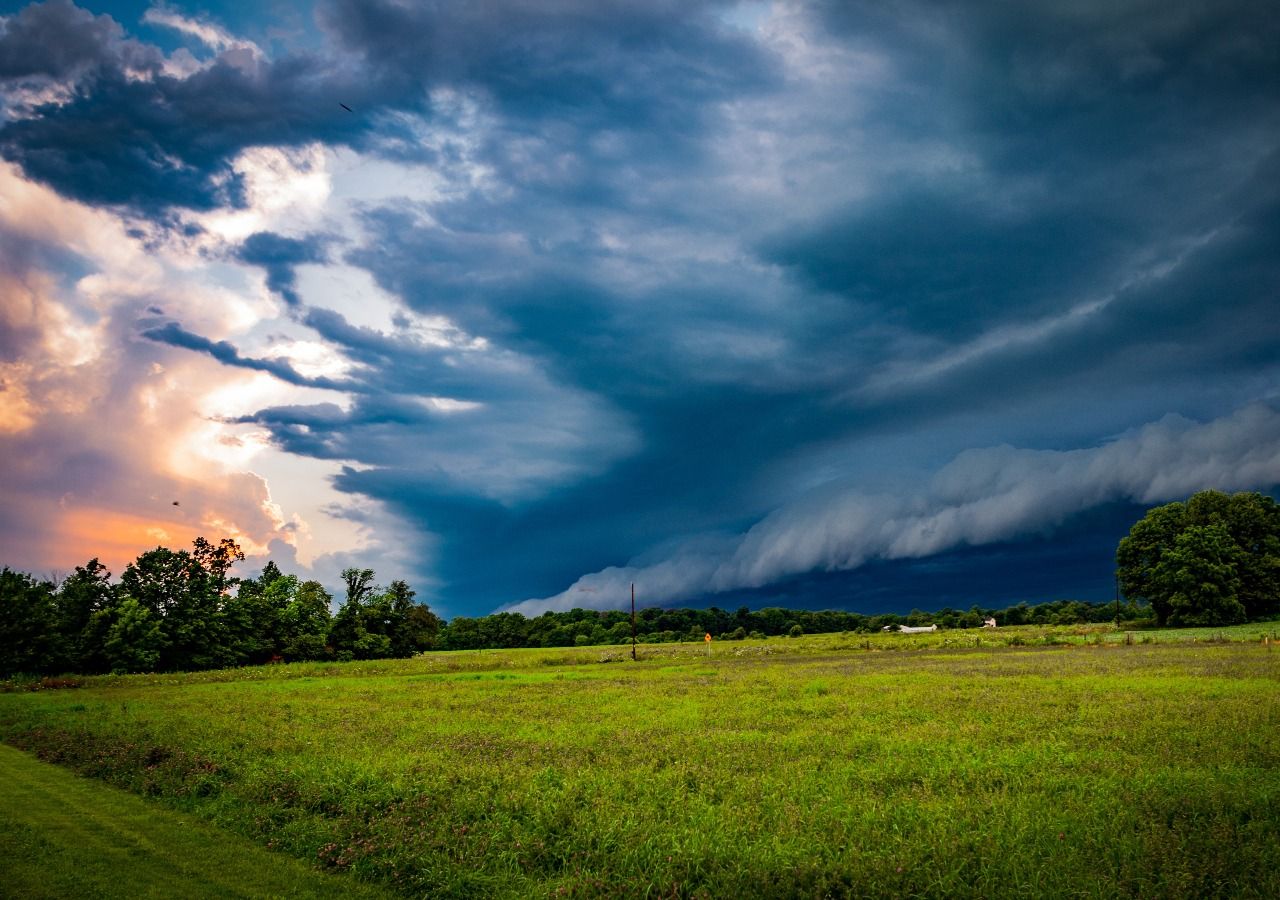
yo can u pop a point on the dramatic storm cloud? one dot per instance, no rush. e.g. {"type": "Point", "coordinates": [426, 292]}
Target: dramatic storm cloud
{"type": "Point", "coordinates": [981, 497]}
{"type": "Point", "coordinates": [735, 301]}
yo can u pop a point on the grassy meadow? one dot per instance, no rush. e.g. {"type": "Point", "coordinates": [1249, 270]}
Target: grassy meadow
{"type": "Point", "coordinates": [65, 836]}
{"type": "Point", "coordinates": [1024, 762]}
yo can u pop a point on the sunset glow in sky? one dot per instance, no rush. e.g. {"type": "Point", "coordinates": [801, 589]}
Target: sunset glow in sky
{"type": "Point", "coordinates": [841, 304]}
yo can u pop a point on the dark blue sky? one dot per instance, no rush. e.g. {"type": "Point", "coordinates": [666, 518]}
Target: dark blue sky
{"type": "Point", "coordinates": [833, 304]}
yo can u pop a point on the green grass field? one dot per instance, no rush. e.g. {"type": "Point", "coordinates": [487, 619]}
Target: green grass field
{"type": "Point", "coordinates": [65, 836]}
{"type": "Point", "coordinates": [1028, 762]}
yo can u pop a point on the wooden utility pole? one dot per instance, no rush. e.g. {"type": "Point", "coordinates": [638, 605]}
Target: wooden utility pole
{"type": "Point", "coordinates": [633, 621]}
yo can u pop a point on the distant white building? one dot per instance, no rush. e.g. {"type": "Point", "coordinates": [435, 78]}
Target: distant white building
{"type": "Point", "coordinates": [988, 623]}
{"type": "Point", "coordinates": [908, 629]}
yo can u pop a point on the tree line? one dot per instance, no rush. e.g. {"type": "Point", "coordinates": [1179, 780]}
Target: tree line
{"type": "Point", "coordinates": [1211, 560]}
{"type": "Point", "coordinates": [584, 627]}
{"type": "Point", "coordinates": [183, 611]}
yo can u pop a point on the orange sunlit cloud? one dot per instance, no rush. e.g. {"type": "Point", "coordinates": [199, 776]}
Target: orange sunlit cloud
{"type": "Point", "coordinates": [117, 538]}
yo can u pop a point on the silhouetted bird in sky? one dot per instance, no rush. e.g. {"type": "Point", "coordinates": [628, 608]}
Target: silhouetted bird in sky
{"type": "Point", "coordinates": [176, 503]}
{"type": "Point", "coordinates": [344, 106]}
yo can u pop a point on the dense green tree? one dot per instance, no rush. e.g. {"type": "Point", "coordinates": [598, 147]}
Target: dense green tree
{"type": "Point", "coordinates": [360, 628]}
{"type": "Point", "coordinates": [216, 560]}
{"type": "Point", "coordinates": [346, 631]}
{"type": "Point", "coordinates": [94, 659]}
{"type": "Point", "coordinates": [360, 586]}
{"type": "Point", "coordinates": [1253, 522]}
{"type": "Point", "coordinates": [1139, 554]}
{"type": "Point", "coordinates": [254, 617]}
{"type": "Point", "coordinates": [186, 596]}
{"type": "Point", "coordinates": [304, 623]}
{"type": "Point", "coordinates": [378, 616]}
{"type": "Point", "coordinates": [270, 572]}
{"type": "Point", "coordinates": [773, 620]}
{"type": "Point", "coordinates": [1070, 613]}
{"type": "Point", "coordinates": [1197, 577]}
{"type": "Point", "coordinates": [618, 633]}
{"type": "Point", "coordinates": [29, 639]}
{"type": "Point", "coordinates": [134, 638]}
{"type": "Point", "coordinates": [196, 635]}
{"type": "Point", "coordinates": [161, 579]}
{"type": "Point", "coordinates": [1236, 578]}
{"type": "Point", "coordinates": [371, 645]}
{"type": "Point", "coordinates": [463, 633]}
{"type": "Point", "coordinates": [507, 629]}
{"type": "Point", "coordinates": [414, 626]}
{"type": "Point", "coordinates": [85, 592]}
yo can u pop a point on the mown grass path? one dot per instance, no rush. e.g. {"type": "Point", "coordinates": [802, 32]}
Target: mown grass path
{"type": "Point", "coordinates": [65, 837]}
{"type": "Point", "coordinates": [784, 768]}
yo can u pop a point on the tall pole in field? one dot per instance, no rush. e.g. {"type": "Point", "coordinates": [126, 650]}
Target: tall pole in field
{"type": "Point", "coordinates": [633, 621]}
{"type": "Point", "coordinates": [1117, 597]}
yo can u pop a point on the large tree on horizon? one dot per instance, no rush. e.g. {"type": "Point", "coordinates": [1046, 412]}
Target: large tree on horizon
{"type": "Point", "coordinates": [1213, 559]}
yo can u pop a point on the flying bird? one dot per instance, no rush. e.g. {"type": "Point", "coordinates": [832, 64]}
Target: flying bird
{"type": "Point", "coordinates": [344, 106]}
{"type": "Point", "coordinates": [176, 503]}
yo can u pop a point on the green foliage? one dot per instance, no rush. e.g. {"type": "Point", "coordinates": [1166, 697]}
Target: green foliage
{"type": "Point", "coordinates": [377, 624]}
{"type": "Point", "coordinates": [1198, 576]}
{"type": "Point", "coordinates": [134, 639]}
{"type": "Point", "coordinates": [304, 623]}
{"type": "Point", "coordinates": [412, 627]}
{"type": "Point", "coordinates": [360, 586]}
{"type": "Point", "coordinates": [162, 580]}
{"type": "Point", "coordinates": [584, 627]}
{"type": "Point", "coordinates": [359, 628]}
{"type": "Point", "coordinates": [86, 592]}
{"type": "Point", "coordinates": [27, 613]}
{"type": "Point", "coordinates": [173, 610]}
{"type": "Point", "coordinates": [1139, 553]}
{"type": "Point", "coordinates": [347, 630]}
{"type": "Point", "coordinates": [275, 618]}
{"type": "Point", "coordinates": [215, 561]}
{"type": "Point", "coordinates": [185, 597]}
{"type": "Point", "coordinates": [1212, 560]}
{"type": "Point", "coordinates": [254, 617]}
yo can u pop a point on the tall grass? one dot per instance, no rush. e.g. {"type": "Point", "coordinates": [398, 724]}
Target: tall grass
{"type": "Point", "coordinates": [63, 836]}
{"type": "Point", "coordinates": [789, 767]}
